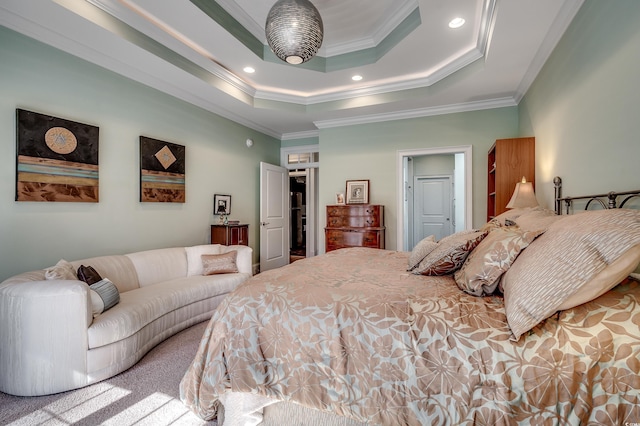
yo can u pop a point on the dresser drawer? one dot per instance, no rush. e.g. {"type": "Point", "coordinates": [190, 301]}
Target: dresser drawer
{"type": "Point", "coordinates": [355, 216]}
{"type": "Point", "coordinates": [337, 238]}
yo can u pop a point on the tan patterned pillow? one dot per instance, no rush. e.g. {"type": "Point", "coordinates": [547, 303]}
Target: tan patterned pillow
{"type": "Point", "coordinates": [537, 220]}
{"type": "Point", "coordinates": [494, 255]}
{"type": "Point", "coordinates": [421, 250]}
{"type": "Point", "coordinates": [219, 263]}
{"type": "Point", "coordinates": [491, 225]}
{"type": "Point", "coordinates": [450, 253]}
{"type": "Point", "coordinates": [566, 258]}
{"type": "Point", "coordinates": [513, 214]}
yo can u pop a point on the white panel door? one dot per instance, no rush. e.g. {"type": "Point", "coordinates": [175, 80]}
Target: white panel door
{"type": "Point", "coordinates": [274, 216]}
{"type": "Point", "coordinates": [432, 207]}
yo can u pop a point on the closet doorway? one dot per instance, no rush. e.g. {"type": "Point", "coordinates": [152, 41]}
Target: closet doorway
{"type": "Point", "coordinates": [298, 203]}
{"type": "Point", "coordinates": [303, 165]}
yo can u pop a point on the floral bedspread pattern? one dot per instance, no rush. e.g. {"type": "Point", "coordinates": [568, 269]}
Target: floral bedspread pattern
{"type": "Point", "coordinates": [353, 333]}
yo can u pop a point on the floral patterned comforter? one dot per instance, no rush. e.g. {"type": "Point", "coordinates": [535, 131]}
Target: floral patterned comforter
{"type": "Point", "coordinates": [353, 333]}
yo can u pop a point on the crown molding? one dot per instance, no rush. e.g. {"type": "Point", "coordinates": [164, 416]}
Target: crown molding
{"type": "Point", "coordinates": [300, 135]}
{"type": "Point", "coordinates": [417, 113]}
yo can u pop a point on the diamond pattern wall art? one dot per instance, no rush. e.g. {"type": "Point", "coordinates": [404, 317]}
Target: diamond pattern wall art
{"type": "Point", "coordinates": [57, 159]}
{"type": "Point", "coordinates": [162, 171]}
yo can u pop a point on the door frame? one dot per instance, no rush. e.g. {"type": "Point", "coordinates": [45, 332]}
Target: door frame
{"type": "Point", "coordinates": [402, 155]}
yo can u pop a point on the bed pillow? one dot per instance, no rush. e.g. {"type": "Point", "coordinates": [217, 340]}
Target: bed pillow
{"type": "Point", "coordinates": [573, 252]}
{"type": "Point", "coordinates": [539, 219]}
{"type": "Point", "coordinates": [482, 270]}
{"type": "Point", "coordinates": [194, 257]}
{"type": "Point", "coordinates": [450, 253]}
{"type": "Point", "coordinates": [104, 296]}
{"type": "Point", "coordinates": [513, 214]}
{"type": "Point", "coordinates": [63, 270]}
{"type": "Point", "coordinates": [219, 263]}
{"type": "Point", "coordinates": [421, 250]}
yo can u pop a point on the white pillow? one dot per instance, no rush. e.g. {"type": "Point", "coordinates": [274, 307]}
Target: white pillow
{"type": "Point", "coordinates": [63, 270]}
{"type": "Point", "coordinates": [194, 257]}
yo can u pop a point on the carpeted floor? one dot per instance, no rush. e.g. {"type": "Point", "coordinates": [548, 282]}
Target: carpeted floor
{"type": "Point", "coordinates": [146, 394]}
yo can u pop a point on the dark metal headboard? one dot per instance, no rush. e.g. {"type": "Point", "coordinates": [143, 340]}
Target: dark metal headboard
{"type": "Point", "coordinates": [599, 198]}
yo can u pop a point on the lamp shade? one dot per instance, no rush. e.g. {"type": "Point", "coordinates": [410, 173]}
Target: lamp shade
{"type": "Point", "coordinates": [523, 196]}
{"type": "Point", "coordinates": [294, 30]}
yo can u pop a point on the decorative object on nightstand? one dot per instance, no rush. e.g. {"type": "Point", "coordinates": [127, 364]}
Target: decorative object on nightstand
{"type": "Point", "coordinates": [222, 207]}
{"type": "Point", "coordinates": [230, 234]}
{"type": "Point", "coordinates": [507, 161]}
{"type": "Point", "coordinates": [357, 225]}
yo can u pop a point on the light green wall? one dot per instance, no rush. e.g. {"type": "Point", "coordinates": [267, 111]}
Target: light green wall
{"type": "Point", "coordinates": [429, 165]}
{"type": "Point", "coordinates": [583, 106]}
{"type": "Point", "coordinates": [299, 142]}
{"type": "Point", "coordinates": [369, 151]}
{"type": "Point", "coordinates": [36, 234]}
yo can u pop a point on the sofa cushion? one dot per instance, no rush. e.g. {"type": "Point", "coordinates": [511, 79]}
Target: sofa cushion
{"type": "Point", "coordinates": [155, 266]}
{"type": "Point", "coordinates": [194, 257]}
{"type": "Point", "coordinates": [117, 268]}
{"type": "Point", "coordinates": [243, 258]}
{"type": "Point", "coordinates": [139, 307]}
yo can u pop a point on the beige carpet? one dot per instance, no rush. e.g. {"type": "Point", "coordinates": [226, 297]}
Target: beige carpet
{"type": "Point", "coordinates": [146, 394]}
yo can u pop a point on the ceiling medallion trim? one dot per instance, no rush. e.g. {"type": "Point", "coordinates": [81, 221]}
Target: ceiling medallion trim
{"type": "Point", "coordinates": [440, 74]}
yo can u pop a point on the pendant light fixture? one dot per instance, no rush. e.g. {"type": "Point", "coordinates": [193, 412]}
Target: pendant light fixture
{"type": "Point", "coordinates": [294, 30]}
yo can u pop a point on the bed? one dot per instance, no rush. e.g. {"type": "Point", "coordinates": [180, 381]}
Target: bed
{"type": "Point", "coordinates": [532, 319]}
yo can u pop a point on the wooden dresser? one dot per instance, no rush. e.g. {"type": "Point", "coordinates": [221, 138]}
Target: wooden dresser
{"type": "Point", "coordinates": [355, 225]}
{"type": "Point", "coordinates": [229, 235]}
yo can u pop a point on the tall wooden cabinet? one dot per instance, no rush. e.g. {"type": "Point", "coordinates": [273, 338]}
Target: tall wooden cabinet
{"type": "Point", "coordinates": [508, 161]}
{"type": "Point", "coordinates": [354, 225]}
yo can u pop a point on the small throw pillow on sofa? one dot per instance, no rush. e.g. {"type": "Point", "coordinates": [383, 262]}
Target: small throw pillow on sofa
{"type": "Point", "coordinates": [104, 296]}
{"type": "Point", "coordinates": [88, 274]}
{"type": "Point", "coordinates": [219, 263]}
{"type": "Point", "coordinates": [63, 270]}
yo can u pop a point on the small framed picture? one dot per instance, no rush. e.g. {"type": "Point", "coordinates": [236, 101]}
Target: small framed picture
{"type": "Point", "coordinates": [357, 191]}
{"type": "Point", "coordinates": [339, 197]}
{"type": "Point", "coordinates": [222, 204]}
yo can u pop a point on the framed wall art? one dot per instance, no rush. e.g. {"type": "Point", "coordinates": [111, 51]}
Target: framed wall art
{"type": "Point", "coordinates": [162, 171]}
{"type": "Point", "coordinates": [357, 191]}
{"type": "Point", "coordinates": [57, 159]}
{"type": "Point", "coordinates": [222, 204]}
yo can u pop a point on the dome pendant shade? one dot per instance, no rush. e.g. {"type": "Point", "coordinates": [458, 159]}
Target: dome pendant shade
{"type": "Point", "coordinates": [294, 30]}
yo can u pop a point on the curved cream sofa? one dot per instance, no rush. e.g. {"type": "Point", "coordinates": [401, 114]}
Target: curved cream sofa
{"type": "Point", "coordinates": [50, 342]}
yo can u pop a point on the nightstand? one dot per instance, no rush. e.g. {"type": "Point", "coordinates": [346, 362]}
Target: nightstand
{"type": "Point", "coordinates": [229, 235]}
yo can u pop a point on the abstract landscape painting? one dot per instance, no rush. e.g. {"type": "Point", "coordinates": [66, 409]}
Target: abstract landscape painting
{"type": "Point", "coordinates": [57, 159]}
{"type": "Point", "coordinates": [162, 171]}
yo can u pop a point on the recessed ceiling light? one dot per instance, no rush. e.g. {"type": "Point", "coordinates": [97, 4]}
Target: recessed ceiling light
{"type": "Point", "coordinates": [249, 70]}
{"type": "Point", "coordinates": [456, 23]}
{"type": "Point", "coordinates": [356, 78]}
